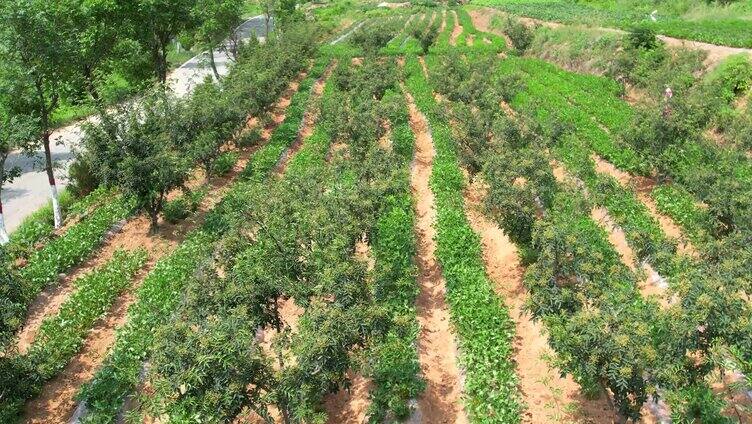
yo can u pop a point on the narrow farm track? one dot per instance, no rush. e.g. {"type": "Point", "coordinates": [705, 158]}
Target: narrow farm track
{"type": "Point", "coordinates": [715, 54]}
{"type": "Point", "coordinates": [56, 403]}
{"type": "Point", "coordinates": [651, 285]}
{"type": "Point", "coordinates": [456, 31]}
{"type": "Point", "coordinates": [548, 396]}
{"type": "Point", "coordinates": [441, 401]}
{"type": "Point", "coordinates": [643, 186]}
{"type": "Point", "coordinates": [309, 119]}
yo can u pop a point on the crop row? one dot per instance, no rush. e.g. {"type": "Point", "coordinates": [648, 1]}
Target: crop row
{"type": "Point", "coordinates": [441, 44]}
{"type": "Point", "coordinates": [60, 337]}
{"type": "Point", "coordinates": [484, 329]}
{"type": "Point", "coordinates": [642, 230]}
{"type": "Point", "coordinates": [330, 204]}
{"type": "Point", "coordinates": [602, 330]}
{"type": "Point", "coordinates": [38, 227]}
{"type": "Point", "coordinates": [58, 256]}
{"type": "Point", "coordinates": [697, 166]}
{"type": "Point", "coordinates": [395, 367]}
{"type": "Point", "coordinates": [262, 163]}
{"type": "Point", "coordinates": [157, 299]}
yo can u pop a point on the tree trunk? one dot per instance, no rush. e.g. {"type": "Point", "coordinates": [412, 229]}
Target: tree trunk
{"type": "Point", "coordinates": [266, 21]}
{"type": "Point", "coordinates": [58, 215]}
{"type": "Point", "coordinates": [92, 88]}
{"type": "Point", "coordinates": [154, 218]}
{"type": "Point", "coordinates": [4, 239]}
{"type": "Point", "coordinates": [213, 63]}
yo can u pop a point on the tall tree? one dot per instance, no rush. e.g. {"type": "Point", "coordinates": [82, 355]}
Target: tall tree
{"type": "Point", "coordinates": [100, 28]}
{"type": "Point", "coordinates": [158, 22]}
{"type": "Point", "coordinates": [139, 151]}
{"type": "Point", "coordinates": [15, 132]}
{"type": "Point", "coordinates": [215, 19]}
{"type": "Point", "coordinates": [36, 37]}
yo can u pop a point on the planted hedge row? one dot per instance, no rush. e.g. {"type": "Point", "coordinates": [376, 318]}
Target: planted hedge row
{"type": "Point", "coordinates": [157, 297]}
{"type": "Point", "coordinates": [262, 163]}
{"type": "Point", "coordinates": [60, 337]}
{"type": "Point", "coordinates": [484, 328]}
{"type": "Point", "coordinates": [395, 368]}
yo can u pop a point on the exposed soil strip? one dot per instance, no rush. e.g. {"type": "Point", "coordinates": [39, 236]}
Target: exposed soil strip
{"type": "Point", "coordinates": [441, 401]}
{"type": "Point", "coordinates": [56, 402]}
{"type": "Point", "coordinates": [349, 406]}
{"type": "Point", "coordinates": [470, 40]}
{"type": "Point", "coordinates": [456, 31]}
{"type": "Point", "coordinates": [652, 284]}
{"type": "Point", "coordinates": [548, 396]}
{"type": "Point", "coordinates": [643, 186]}
{"type": "Point", "coordinates": [443, 21]}
{"type": "Point", "coordinates": [309, 119]}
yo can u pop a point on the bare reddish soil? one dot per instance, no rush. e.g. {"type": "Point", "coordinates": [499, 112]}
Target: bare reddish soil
{"type": "Point", "coordinates": [441, 401]}
{"type": "Point", "coordinates": [456, 31]}
{"type": "Point", "coordinates": [548, 396]}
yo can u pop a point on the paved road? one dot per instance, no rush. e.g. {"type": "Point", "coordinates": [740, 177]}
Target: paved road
{"type": "Point", "coordinates": [30, 191]}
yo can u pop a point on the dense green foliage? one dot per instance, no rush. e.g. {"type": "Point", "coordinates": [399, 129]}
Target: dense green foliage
{"type": "Point", "coordinates": [61, 336]}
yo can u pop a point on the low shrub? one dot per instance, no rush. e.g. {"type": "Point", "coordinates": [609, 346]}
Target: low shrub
{"type": "Point", "coordinates": [176, 210]}
{"type": "Point", "coordinates": [249, 138]}
{"type": "Point", "coordinates": [519, 33]}
{"type": "Point", "coordinates": [732, 77]}
{"type": "Point", "coordinates": [642, 37]}
{"type": "Point", "coordinates": [225, 162]}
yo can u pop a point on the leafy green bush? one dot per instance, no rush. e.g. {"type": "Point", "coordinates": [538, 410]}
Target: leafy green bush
{"type": "Point", "coordinates": [731, 77]}
{"type": "Point", "coordinates": [519, 33]}
{"type": "Point", "coordinates": [249, 138]}
{"type": "Point", "coordinates": [176, 210]}
{"type": "Point", "coordinates": [225, 163]}
{"type": "Point", "coordinates": [642, 37]}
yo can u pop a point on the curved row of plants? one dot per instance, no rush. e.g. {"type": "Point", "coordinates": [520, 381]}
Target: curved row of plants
{"type": "Point", "coordinates": [578, 286]}
{"type": "Point", "coordinates": [60, 337]}
{"type": "Point", "coordinates": [281, 59]}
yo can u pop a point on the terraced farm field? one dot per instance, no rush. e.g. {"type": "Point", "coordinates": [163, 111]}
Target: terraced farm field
{"type": "Point", "coordinates": [415, 213]}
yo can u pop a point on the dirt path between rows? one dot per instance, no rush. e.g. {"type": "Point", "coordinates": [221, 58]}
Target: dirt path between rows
{"type": "Point", "coordinates": [643, 187]}
{"type": "Point", "coordinates": [548, 396]}
{"type": "Point", "coordinates": [443, 21]}
{"type": "Point", "coordinates": [441, 401]}
{"type": "Point", "coordinates": [309, 119]}
{"type": "Point", "coordinates": [456, 31]}
{"type": "Point", "coordinates": [56, 403]}
{"type": "Point", "coordinates": [715, 54]}
{"type": "Point", "coordinates": [652, 284]}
